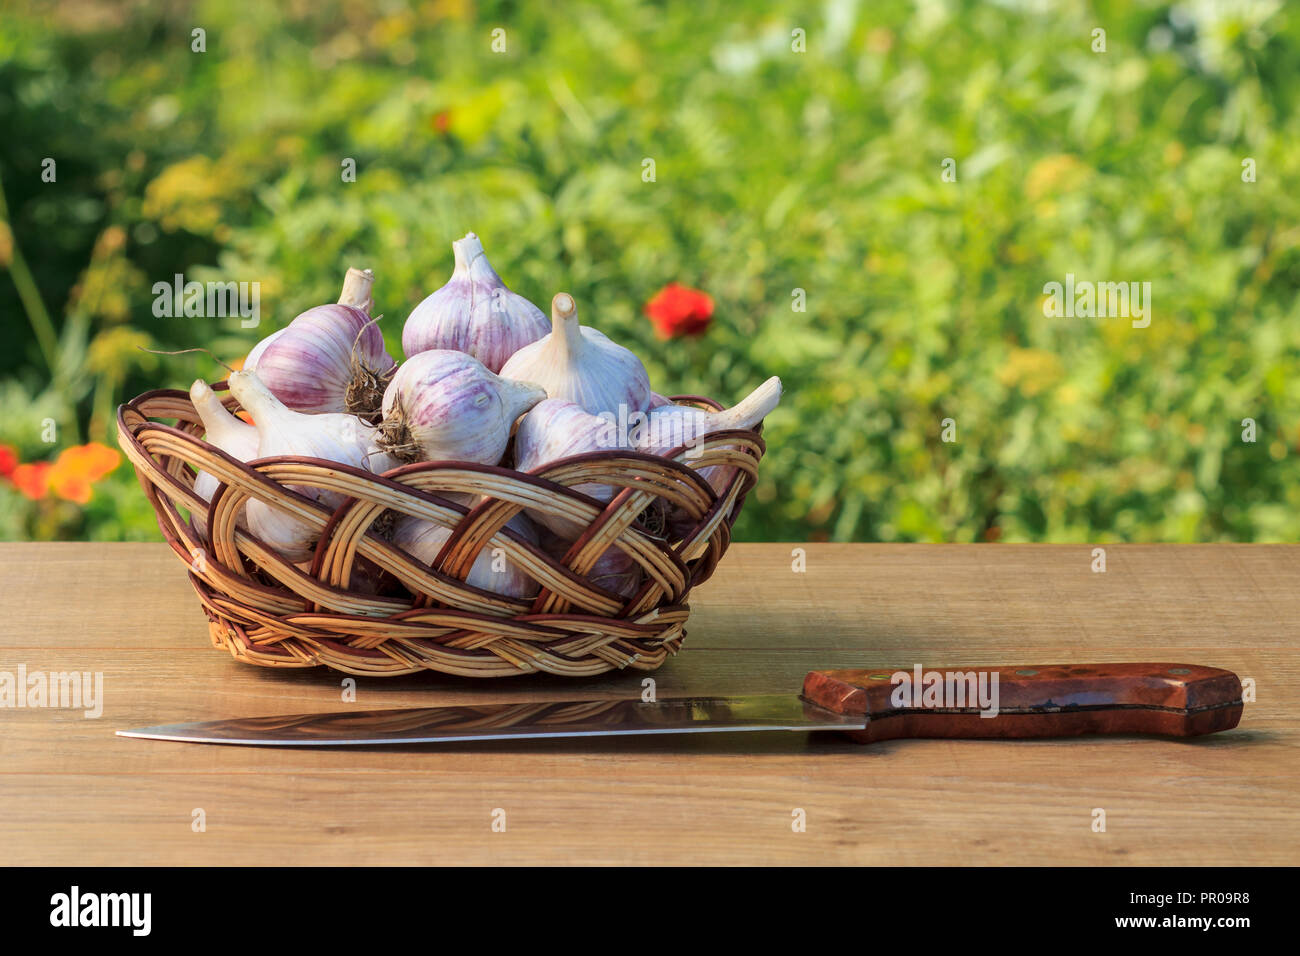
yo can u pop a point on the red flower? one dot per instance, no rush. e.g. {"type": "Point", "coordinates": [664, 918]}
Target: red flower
{"type": "Point", "coordinates": [8, 461]}
{"type": "Point", "coordinates": [676, 310]}
{"type": "Point", "coordinates": [441, 122]}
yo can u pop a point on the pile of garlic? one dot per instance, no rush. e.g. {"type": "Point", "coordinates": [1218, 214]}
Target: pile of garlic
{"type": "Point", "coordinates": [482, 366]}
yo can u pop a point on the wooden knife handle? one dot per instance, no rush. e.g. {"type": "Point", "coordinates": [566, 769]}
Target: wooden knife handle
{"type": "Point", "coordinates": [1045, 700]}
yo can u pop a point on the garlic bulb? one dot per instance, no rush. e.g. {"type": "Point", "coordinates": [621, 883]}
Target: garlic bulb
{"type": "Point", "coordinates": [674, 426]}
{"type": "Point", "coordinates": [474, 313]}
{"type": "Point", "coordinates": [256, 351]}
{"type": "Point", "coordinates": [330, 358]}
{"type": "Point", "coordinates": [444, 405]}
{"type": "Point", "coordinates": [424, 540]}
{"type": "Point", "coordinates": [236, 438]}
{"type": "Point", "coordinates": [580, 365]}
{"type": "Point", "coordinates": [556, 429]}
{"type": "Point", "coordinates": [669, 426]}
{"type": "Point", "coordinates": [334, 437]}
{"type": "Point", "coordinates": [614, 570]}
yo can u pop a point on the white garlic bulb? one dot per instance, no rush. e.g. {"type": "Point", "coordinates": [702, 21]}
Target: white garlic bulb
{"type": "Point", "coordinates": [334, 437]}
{"type": "Point", "coordinates": [236, 438]}
{"type": "Point", "coordinates": [556, 429]}
{"type": "Point", "coordinates": [444, 405]}
{"type": "Point", "coordinates": [673, 426]}
{"type": "Point", "coordinates": [330, 358]}
{"type": "Point", "coordinates": [669, 427]}
{"type": "Point", "coordinates": [424, 541]}
{"type": "Point", "coordinates": [474, 313]}
{"type": "Point", "coordinates": [577, 364]}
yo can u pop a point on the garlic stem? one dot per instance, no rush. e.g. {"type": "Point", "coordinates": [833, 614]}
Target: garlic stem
{"type": "Point", "coordinates": [356, 290]}
{"type": "Point", "coordinates": [472, 260]}
{"type": "Point", "coordinates": [564, 323]}
{"type": "Point", "coordinates": [753, 408]}
{"type": "Point", "coordinates": [579, 364]}
{"type": "Point", "coordinates": [520, 396]}
{"type": "Point", "coordinates": [220, 427]}
{"type": "Point", "coordinates": [257, 399]}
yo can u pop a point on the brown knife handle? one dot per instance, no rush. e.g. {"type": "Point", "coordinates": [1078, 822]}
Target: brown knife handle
{"type": "Point", "coordinates": [1050, 700]}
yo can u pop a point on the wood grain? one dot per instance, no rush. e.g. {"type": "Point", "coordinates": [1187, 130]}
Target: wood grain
{"type": "Point", "coordinates": [72, 793]}
{"type": "Point", "coordinates": [1170, 699]}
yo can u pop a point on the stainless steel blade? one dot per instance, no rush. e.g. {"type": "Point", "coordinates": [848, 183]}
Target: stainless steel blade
{"type": "Point", "coordinates": [511, 721]}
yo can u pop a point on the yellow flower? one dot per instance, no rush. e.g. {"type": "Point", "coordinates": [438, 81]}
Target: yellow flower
{"type": "Point", "coordinates": [186, 195]}
{"type": "Point", "coordinates": [1055, 174]}
{"type": "Point", "coordinates": [102, 288]}
{"type": "Point", "coordinates": [117, 349]}
{"type": "Point", "coordinates": [1031, 371]}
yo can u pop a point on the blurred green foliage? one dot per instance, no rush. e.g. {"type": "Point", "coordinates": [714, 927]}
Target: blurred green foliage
{"type": "Point", "coordinates": [775, 171]}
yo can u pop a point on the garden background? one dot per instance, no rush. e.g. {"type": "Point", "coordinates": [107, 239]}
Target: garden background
{"type": "Point", "coordinates": [796, 147]}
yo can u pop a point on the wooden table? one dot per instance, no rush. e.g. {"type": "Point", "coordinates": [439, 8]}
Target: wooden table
{"type": "Point", "coordinates": [73, 793]}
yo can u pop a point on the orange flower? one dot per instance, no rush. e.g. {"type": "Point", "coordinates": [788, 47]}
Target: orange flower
{"type": "Point", "coordinates": [92, 460]}
{"type": "Point", "coordinates": [78, 467]}
{"type": "Point", "coordinates": [70, 487]}
{"type": "Point", "coordinates": [8, 460]}
{"type": "Point", "coordinates": [32, 479]}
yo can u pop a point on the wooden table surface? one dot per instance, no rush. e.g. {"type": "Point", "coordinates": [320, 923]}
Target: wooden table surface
{"type": "Point", "coordinates": [73, 793]}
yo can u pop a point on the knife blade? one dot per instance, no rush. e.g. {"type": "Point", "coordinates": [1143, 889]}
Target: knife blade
{"type": "Point", "coordinates": [1052, 700]}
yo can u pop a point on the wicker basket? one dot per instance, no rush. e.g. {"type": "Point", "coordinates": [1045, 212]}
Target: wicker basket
{"type": "Point", "coordinates": [266, 610]}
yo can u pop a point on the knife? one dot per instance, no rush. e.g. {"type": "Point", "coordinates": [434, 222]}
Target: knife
{"type": "Point", "coordinates": [1053, 700]}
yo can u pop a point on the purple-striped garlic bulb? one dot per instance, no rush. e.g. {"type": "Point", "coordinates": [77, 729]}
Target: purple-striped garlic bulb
{"type": "Point", "coordinates": [474, 313]}
{"type": "Point", "coordinates": [255, 353]}
{"type": "Point", "coordinates": [330, 358]}
{"type": "Point", "coordinates": [444, 405]}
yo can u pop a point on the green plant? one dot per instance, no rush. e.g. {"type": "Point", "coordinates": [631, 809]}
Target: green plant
{"type": "Point", "coordinates": [782, 181]}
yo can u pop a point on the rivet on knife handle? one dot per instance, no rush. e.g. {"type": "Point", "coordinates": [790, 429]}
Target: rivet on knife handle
{"type": "Point", "coordinates": [1049, 700]}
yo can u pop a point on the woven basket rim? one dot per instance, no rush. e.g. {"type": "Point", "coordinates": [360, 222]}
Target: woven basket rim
{"type": "Point", "coordinates": [421, 467]}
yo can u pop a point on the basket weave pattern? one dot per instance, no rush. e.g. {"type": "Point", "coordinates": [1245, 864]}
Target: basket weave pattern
{"type": "Point", "coordinates": [269, 611]}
